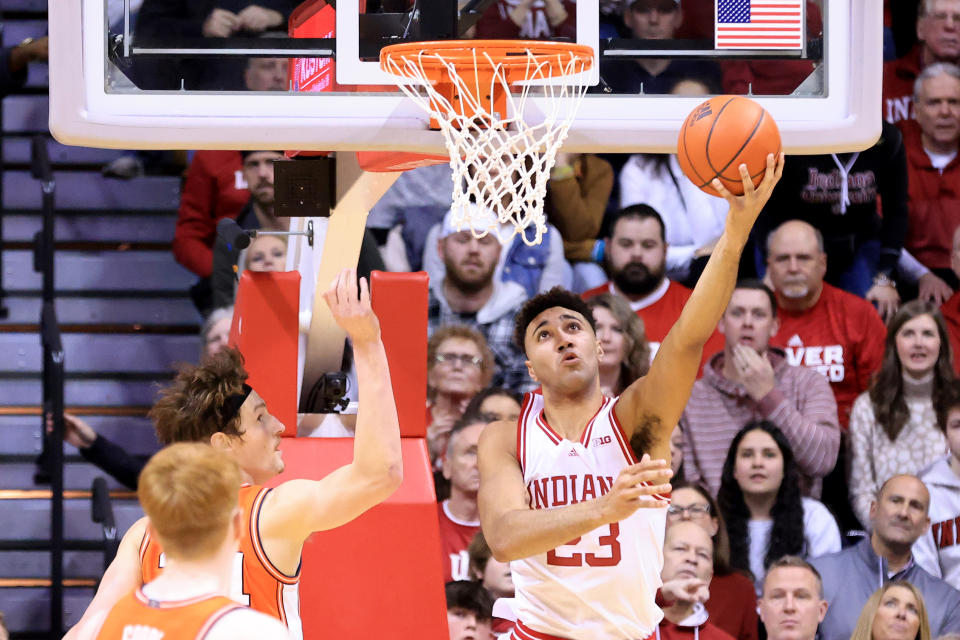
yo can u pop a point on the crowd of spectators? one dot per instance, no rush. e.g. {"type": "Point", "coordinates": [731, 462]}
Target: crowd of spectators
{"type": "Point", "coordinates": [818, 460]}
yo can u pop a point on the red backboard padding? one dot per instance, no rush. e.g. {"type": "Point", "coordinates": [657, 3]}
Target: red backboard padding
{"type": "Point", "coordinates": [400, 301]}
{"type": "Point", "coordinates": [380, 576]}
{"type": "Point", "coordinates": [266, 325]}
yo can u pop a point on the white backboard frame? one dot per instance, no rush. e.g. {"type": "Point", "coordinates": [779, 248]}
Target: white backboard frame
{"type": "Point", "coordinates": [83, 112]}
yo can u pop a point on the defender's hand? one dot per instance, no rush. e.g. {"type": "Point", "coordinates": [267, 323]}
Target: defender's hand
{"type": "Point", "coordinates": [745, 209]}
{"type": "Point", "coordinates": [352, 312]}
{"type": "Point", "coordinates": [634, 489]}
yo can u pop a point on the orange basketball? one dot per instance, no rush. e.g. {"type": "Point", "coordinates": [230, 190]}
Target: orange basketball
{"type": "Point", "coordinates": [720, 135]}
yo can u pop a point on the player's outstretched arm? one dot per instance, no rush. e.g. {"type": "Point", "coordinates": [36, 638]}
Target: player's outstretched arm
{"type": "Point", "coordinates": [297, 508]}
{"type": "Point", "coordinates": [658, 398]}
{"type": "Point", "coordinates": [514, 530]}
{"type": "Point", "coordinates": [120, 578]}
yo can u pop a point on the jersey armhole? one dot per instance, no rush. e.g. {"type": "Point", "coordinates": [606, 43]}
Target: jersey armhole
{"type": "Point", "coordinates": [257, 545]}
{"type": "Point", "coordinates": [217, 617]}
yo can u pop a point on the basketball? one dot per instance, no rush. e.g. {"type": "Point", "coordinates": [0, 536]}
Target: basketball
{"type": "Point", "coordinates": [720, 135]}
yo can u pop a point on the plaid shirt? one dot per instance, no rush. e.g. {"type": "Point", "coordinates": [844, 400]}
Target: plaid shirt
{"type": "Point", "coordinates": [511, 371]}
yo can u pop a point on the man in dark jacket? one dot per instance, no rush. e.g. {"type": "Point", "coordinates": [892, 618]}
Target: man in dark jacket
{"type": "Point", "coordinates": [898, 517]}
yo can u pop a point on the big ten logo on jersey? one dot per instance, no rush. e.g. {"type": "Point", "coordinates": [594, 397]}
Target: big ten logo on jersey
{"type": "Point", "coordinates": [828, 359]}
{"type": "Point", "coordinates": [141, 632]}
{"type": "Point", "coordinates": [238, 591]}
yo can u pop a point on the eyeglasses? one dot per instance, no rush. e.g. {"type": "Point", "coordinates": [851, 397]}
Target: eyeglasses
{"type": "Point", "coordinates": [693, 510]}
{"type": "Point", "coordinates": [463, 358]}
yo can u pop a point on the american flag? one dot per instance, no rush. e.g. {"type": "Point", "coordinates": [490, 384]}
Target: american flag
{"type": "Point", "coordinates": [759, 24]}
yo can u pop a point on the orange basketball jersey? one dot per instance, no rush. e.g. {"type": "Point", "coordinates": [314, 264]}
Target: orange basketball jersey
{"type": "Point", "coordinates": [256, 582]}
{"type": "Point", "coordinates": [136, 616]}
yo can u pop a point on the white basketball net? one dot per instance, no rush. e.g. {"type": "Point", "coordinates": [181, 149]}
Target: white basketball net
{"type": "Point", "coordinates": [500, 162]}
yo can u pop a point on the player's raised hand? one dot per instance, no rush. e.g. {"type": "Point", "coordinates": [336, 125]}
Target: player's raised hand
{"type": "Point", "coordinates": [745, 209]}
{"type": "Point", "coordinates": [636, 488]}
{"type": "Point", "coordinates": [351, 310]}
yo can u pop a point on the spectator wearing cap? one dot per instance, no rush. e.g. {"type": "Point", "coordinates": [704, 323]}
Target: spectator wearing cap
{"type": "Point", "coordinates": [933, 169]}
{"type": "Point", "coordinates": [653, 20]}
{"type": "Point", "coordinates": [536, 268]}
{"type": "Point", "coordinates": [938, 35]}
{"type": "Point", "coordinates": [470, 294]}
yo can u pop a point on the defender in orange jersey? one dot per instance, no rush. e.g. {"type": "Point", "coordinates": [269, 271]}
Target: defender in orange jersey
{"type": "Point", "coordinates": [212, 403]}
{"type": "Point", "coordinates": [188, 492]}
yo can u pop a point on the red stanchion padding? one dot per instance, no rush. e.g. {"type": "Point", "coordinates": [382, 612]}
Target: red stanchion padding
{"type": "Point", "coordinates": [266, 325]}
{"type": "Point", "coordinates": [379, 576]}
{"type": "Point", "coordinates": [387, 161]}
{"type": "Point", "coordinates": [400, 301]}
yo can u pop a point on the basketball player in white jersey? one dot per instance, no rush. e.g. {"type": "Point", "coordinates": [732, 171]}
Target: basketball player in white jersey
{"type": "Point", "coordinates": [562, 494]}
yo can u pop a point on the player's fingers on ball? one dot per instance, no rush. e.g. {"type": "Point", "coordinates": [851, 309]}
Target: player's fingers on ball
{"type": "Point", "coordinates": [746, 180]}
{"type": "Point", "coordinates": [722, 190]}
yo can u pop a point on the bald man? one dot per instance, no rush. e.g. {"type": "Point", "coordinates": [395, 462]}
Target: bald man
{"type": "Point", "coordinates": [898, 517]}
{"type": "Point", "coordinates": [821, 327]}
{"type": "Point", "coordinates": [687, 570]}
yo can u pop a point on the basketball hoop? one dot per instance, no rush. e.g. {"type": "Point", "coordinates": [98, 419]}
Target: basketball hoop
{"type": "Point", "coordinates": [500, 154]}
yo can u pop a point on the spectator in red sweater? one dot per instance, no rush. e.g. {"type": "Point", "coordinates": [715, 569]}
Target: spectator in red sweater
{"type": "Point", "coordinates": [635, 259]}
{"type": "Point", "coordinates": [750, 381]}
{"type": "Point", "coordinates": [938, 32]}
{"type": "Point", "coordinates": [934, 169]}
{"type": "Point", "coordinates": [215, 187]}
{"type": "Point", "coordinates": [686, 573]}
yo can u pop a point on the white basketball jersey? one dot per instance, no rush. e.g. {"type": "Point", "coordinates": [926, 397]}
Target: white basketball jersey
{"type": "Point", "coordinates": [602, 585]}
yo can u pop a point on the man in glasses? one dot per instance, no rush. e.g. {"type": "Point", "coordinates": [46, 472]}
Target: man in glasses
{"type": "Point", "coordinates": [751, 380]}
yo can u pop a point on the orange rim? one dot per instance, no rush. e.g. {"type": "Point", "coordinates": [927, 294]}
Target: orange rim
{"type": "Point", "coordinates": [512, 56]}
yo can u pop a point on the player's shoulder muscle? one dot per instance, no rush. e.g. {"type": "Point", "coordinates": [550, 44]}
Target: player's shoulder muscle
{"type": "Point", "coordinates": [499, 439]}
{"type": "Point", "coordinates": [247, 624]}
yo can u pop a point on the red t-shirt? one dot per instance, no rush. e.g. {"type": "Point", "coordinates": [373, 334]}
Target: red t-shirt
{"type": "Point", "coordinates": [455, 537]}
{"type": "Point", "coordinates": [841, 336]}
{"type": "Point", "coordinates": [733, 605]}
{"type": "Point", "coordinates": [659, 311]}
{"type": "Point", "coordinates": [951, 315]}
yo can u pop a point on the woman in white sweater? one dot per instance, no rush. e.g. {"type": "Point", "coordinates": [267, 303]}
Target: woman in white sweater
{"type": "Point", "coordinates": [766, 516]}
{"type": "Point", "coordinates": [894, 424]}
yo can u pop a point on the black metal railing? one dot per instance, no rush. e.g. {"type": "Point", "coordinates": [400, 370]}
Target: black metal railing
{"type": "Point", "coordinates": [51, 458]}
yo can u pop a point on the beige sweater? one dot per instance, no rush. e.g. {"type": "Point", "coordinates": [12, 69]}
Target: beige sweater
{"type": "Point", "coordinates": [874, 458]}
